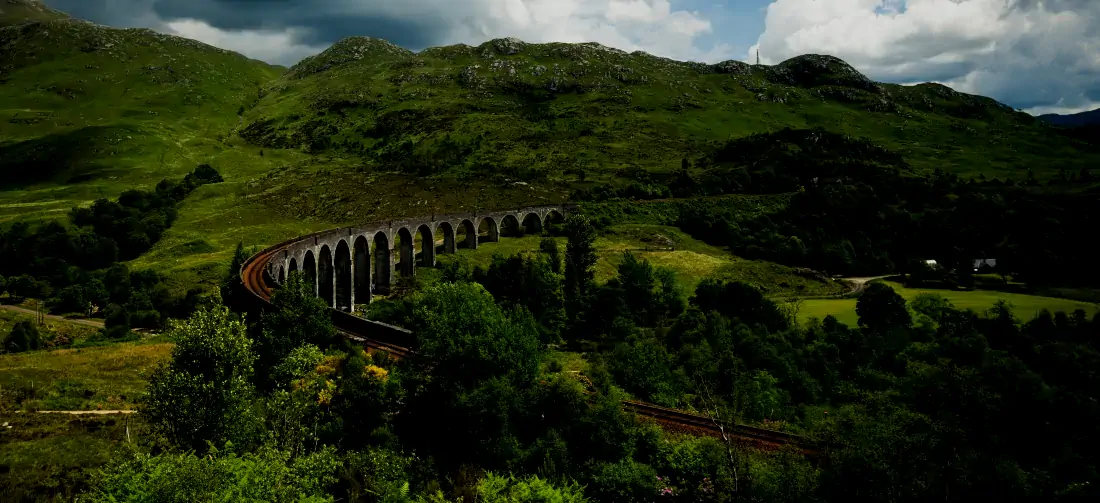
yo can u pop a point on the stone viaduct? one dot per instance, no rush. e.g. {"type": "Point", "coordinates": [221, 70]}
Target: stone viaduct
{"type": "Point", "coordinates": [345, 264]}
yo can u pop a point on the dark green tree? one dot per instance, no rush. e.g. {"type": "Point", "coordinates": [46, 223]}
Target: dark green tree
{"type": "Point", "coordinates": [737, 300]}
{"type": "Point", "coordinates": [23, 337]}
{"type": "Point", "coordinates": [549, 247]}
{"type": "Point", "coordinates": [880, 308]}
{"type": "Point", "coordinates": [232, 287]}
{"type": "Point", "coordinates": [580, 255]}
{"type": "Point", "coordinates": [117, 321]}
{"type": "Point", "coordinates": [203, 394]}
{"type": "Point", "coordinates": [469, 338]}
{"type": "Point", "coordinates": [296, 317]}
{"type": "Point", "coordinates": [475, 361]}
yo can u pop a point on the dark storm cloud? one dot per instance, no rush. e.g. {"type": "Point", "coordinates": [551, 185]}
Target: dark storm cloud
{"type": "Point", "coordinates": [317, 22]}
{"type": "Point", "coordinates": [117, 13]}
{"type": "Point", "coordinates": [324, 21]}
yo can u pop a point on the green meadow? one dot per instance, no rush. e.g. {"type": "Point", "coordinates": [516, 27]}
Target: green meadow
{"type": "Point", "coordinates": [1024, 306]}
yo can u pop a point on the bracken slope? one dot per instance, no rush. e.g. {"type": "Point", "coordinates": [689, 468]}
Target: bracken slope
{"type": "Point", "coordinates": [538, 111]}
{"type": "Point", "coordinates": [80, 101]}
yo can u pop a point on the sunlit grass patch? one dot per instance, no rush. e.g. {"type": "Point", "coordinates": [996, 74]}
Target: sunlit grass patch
{"type": "Point", "coordinates": [669, 247]}
{"type": "Point", "coordinates": [102, 377]}
{"type": "Point", "coordinates": [1024, 306]}
{"type": "Point", "coordinates": [567, 360]}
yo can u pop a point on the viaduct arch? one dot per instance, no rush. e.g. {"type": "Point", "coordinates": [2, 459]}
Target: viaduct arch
{"type": "Point", "coordinates": [347, 265]}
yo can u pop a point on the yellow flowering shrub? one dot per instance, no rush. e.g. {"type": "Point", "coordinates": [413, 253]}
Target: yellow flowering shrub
{"type": "Point", "coordinates": [376, 372]}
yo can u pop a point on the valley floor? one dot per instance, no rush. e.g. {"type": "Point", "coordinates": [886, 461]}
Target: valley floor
{"type": "Point", "coordinates": [1024, 306]}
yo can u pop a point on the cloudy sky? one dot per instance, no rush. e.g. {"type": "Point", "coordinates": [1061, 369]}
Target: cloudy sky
{"type": "Point", "coordinates": [1038, 55]}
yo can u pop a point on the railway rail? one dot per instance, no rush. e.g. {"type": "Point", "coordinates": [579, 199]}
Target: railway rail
{"type": "Point", "coordinates": [258, 282]}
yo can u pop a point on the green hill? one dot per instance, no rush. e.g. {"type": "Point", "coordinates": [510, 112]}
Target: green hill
{"type": "Point", "coordinates": [554, 111]}
{"type": "Point", "coordinates": [367, 130]}
{"type": "Point", "coordinates": [23, 11]}
{"type": "Point", "coordinates": [90, 108]}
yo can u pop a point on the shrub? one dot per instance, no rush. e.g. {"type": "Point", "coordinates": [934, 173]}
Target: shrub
{"type": "Point", "coordinates": [24, 336]}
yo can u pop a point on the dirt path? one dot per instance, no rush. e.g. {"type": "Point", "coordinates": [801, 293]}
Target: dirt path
{"type": "Point", "coordinates": [858, 284]}
{"type": "Point", "coordinates": [54, 317]}
{"type": "Point", "coordinates": [95, 412]}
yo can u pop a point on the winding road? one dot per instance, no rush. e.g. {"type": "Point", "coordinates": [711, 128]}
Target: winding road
{"type": "Point", "coordinates": [258, 282]}
{"type": "Point", "coordinates": [53, 317]}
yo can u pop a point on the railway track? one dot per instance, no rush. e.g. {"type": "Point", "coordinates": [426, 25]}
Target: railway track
{"type": "Point", "coordinates": [258, 283]}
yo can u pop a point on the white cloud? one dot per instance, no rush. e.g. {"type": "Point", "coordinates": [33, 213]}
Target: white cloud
{"type": "Point", "coordinates": [271, 46]}
{"type": "Point", "coordinates": [648, 25]}
{"type": "Point", "coordinates": [653, 26]}
{"type": "Point", "coordinates": [1022, 53]}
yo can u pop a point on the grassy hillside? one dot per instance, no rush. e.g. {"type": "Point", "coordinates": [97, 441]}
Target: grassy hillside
{"type": "Point", "coordinates": [663, 246]}
{"type": "Point", "coordinates": [22, 11]}
{"type": "Point", "coordinates": [574, 111]}
{"type": "Point", "coordinates": [368, 130]}
{"type": "Point", "coordinates": [88, 111]}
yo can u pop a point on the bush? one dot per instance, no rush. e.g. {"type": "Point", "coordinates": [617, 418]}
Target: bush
{"type": "Point", "coordinates": [24, 336]}
{"type": "Point", "coordinates": [499, 489]}
{"type": "Point", "coordinates": [117, 321]}
{"type": "Point", "coordinates": [626, 481]}
{"type": "Point", "coordinates": [268, 475]}
{"type": "Point", "coordinates": [203, 395]}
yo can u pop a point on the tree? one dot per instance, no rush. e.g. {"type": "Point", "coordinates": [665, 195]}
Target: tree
{"type": "Point", "coordinates": [232, 286]}
{"type": "Point", "coordinates": [580, 256]}
{"type": "Point", "coordinates": [23, 337]}
{"type": "Point", "coordinates": [24, 286]}
{"type": "Point", "coordinates": [117, 321]}
{"type": "Point", "coordinates": [70, 299]}
{"type": "Point", "coordinates": [737, 300]}
{"type": "Point", "coordinates": [474, 363]}
{"type": "Point", "coordinates": [638, 284]}
{"type": "Point", "coordinates": [203, 394]}
{"type": "Point", "coordinates": [296, 317]}
{"type": "Point", "coordinates": [670, 297]}
{"type": "Point", "coordinates": [549, 247]}
{"type": "Point", "coordinates": [881, 308]}
{"type": "Point", "coordinates": [469, 338]}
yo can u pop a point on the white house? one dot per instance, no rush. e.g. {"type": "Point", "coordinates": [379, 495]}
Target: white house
{"type": "Point", "coordinates": [981, 262]}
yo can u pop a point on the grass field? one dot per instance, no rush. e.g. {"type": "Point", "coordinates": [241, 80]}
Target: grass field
{"type": "Point", "coordinates": [691, 259]}
{"type": "Point", "coordinates": [52, 457]}
{"type": "Point", "coordinates": [104, 377]}
{"type": "Point", "coordinates": [1025, 306]}
{"type": "Point", "coordinates": [50, 331]}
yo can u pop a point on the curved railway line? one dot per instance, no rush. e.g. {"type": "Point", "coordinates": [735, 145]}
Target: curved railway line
{"type": "Point", "coordinates": [258, 282]}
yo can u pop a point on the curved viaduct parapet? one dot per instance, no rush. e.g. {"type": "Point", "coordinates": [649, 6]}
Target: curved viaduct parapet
{"type": "Point", "coordinates": [347, 265]}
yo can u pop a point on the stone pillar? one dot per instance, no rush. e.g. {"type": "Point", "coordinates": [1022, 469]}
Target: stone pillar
{"type": "Point", "coordinates": [494, 230]}
{"type": "Point", "coordinates": [449, 240]}
{"type": "Point", "coordinates": [351, 273]}
{"type": "Point", "coordinates": [471, 233]}
{"type": "Point", "coordinates": [332, 276]}
{"type": "Point", "coordinates": [395, 257]}
{"type": "Point", "coordinates": [428, 247]}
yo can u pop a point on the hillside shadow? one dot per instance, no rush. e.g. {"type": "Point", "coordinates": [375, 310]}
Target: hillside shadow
{"type": "Point", "coordinates": [68, 157]}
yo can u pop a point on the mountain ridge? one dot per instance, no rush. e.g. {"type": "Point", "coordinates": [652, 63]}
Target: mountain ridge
{"type": "Point", "coordinates": [477, 108]}
{"type": "Point", "coordinates": [24, 11]}
{"type": "Point", "coordinates": [1079, 119]}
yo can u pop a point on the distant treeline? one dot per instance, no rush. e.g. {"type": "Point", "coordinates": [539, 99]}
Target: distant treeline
{"type": "Point", "coordinates": [78, 266]}
{"type": "Point", "coordinates": [858, 208]}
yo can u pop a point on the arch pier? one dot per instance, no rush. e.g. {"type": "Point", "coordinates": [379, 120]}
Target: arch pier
{"type": "Point", "coordinates": [346, 266]}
